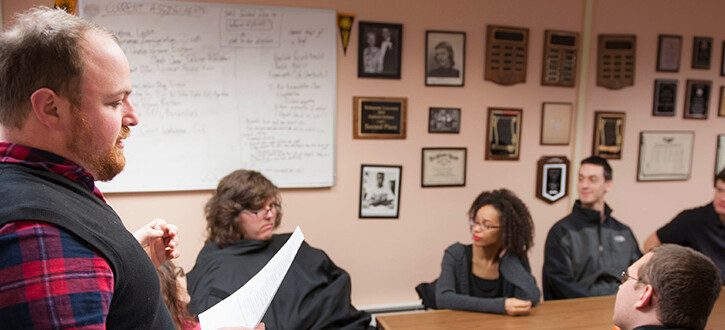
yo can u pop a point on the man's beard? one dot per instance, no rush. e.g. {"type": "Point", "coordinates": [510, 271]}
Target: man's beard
{"type": "Point", "coordinates": [103, 164]}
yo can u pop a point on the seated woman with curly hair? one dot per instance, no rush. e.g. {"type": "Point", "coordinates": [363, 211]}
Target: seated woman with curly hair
{"type": "Point", "coordinates": [491, 275]}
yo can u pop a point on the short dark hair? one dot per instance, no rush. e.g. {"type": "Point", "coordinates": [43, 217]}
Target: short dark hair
{"type": "Point", "coordinates": [686, 282]}
{"type": "Point", "coordinates": [596, 160]}
{"type": "Point", "coordinates": [516, 222]}
{"type": "Point", "coordinates": [720, 176]}
{"type": "Point", "coordinates": [239, 190]}
{"type": "Point", "coordinates": [42, 49]}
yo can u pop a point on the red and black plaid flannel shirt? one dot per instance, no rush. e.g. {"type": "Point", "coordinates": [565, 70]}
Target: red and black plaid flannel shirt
{"type": "Point", "coordinates": [49, 277]}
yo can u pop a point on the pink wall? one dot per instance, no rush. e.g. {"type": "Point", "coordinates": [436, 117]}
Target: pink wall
{"type": "Point", "coordinates": [387, 258]}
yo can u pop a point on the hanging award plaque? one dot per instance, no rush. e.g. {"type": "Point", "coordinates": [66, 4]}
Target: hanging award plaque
{"type": "Point", "coordinates": [507, 49]}
{"type": "Point", "coordinates": [552, 178]}
{"type": "Point", "coordinates": [615, 61]}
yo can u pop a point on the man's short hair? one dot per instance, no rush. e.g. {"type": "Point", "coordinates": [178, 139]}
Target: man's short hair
{"type": "Point", "coordinates": [42, 49]}
{"type": "Point", "coordinates": [686, 283]}
{"type": "Point", "coordinates": [596, 160]}
{"type": "Point", "coordinates": [720, 176]}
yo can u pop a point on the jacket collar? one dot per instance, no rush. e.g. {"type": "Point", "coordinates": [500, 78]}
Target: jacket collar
{"type": "Point", "coordinates": [590, 215]}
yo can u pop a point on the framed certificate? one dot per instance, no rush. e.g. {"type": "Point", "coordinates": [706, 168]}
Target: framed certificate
{"type": "Point", "coordinates": [555, 123]}
{"type": "Point", "coordinates": [503, 137]}
{"type": "Point", "coordinates": [665, 155]}
{"type": "Point", "coordinates": [552, 178]}
{"type": "Point", "coordinates": [378, 117]}
{"type": "Point", "coordinates": [665, 98]}
{"type": "Point", "coordinates": [608, 134]}
{"type": "Point", "coordinates": [668, 53]}
{"type": "Point", "coordinates": [443, 167]}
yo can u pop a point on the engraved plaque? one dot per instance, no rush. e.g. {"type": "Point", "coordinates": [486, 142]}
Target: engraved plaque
{"type": "Point", "coordinates": [615, 61]}
{"type": "Point", "coordinates": [560, 58]}
{"type": "Point", "coordinates": [506, 53]}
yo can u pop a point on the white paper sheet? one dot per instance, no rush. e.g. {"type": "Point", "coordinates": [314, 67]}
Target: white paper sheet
{"type": "Point", "coordinates": [247, 306]}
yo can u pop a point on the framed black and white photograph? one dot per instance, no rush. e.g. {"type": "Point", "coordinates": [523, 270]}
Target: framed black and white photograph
{"type": "Point", "coordinates": [444, 120]}
{"type": "Point", "coordinates": [380, 191]}
{"type": "Point", "coordinates": [697, 99]}
{"type": "Point", "coordinates": [665, 155]}
{"type": "Point", "coordinates": [443, 167]}
{"type": "Point", "coordinates": [701, 52]}
{"type": "Point", "coordinates": [503, 134]}
{"type": "Point", "coordinates": [668, 53]}
{"type": "Point", "coordinates": [608, 134]}
{"type": "Point", "coordinates": [720, 154]}
{"type": "Point", "coordinates": [445, 58]}
{"type": "Point", "coordinates": [665, 98]}
{"type": "Point", "coordinates": [379, 50]}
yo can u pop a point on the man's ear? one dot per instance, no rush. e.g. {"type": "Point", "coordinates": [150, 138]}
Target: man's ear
{"type": "Point", "coordinates": [45, 103]}
{"type": "Point", "coordinates": [647, 297]}
{"type": "Point", "coordinates": [608, 184]}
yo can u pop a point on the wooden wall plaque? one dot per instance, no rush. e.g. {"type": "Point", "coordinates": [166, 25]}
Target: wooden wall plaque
{"type": "Point", "coordinates": [506, 54]}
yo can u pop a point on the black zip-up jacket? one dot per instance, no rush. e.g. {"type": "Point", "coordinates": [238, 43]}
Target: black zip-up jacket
{"type": "Point", "coordinates": [584, 257]}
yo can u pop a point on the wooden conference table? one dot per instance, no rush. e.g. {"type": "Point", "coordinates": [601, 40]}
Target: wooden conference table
{"type": "Point", "coordinates": [582, 313]}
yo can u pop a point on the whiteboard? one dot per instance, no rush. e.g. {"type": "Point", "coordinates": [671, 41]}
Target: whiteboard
{"type": "Point", "coordinates": [219, 87]}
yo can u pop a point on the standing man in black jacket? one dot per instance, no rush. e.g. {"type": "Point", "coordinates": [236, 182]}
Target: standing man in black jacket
{"type": "Point", "coordinates": [587, 250]}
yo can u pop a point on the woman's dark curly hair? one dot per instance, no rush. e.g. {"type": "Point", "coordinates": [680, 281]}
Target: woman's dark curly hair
{"type": "Point", "coordinates": [517, 227]}
{"type": "Point", "coordinates": [240, 190]}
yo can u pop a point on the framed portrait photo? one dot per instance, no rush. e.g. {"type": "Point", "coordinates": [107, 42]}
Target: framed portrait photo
{"type": "Point", "coordinates": [379, 117]}
{"type": "Point", "coordinates": [379, 50]}
{"type": "Point", "coordinates": [443, 167]}
{"type": "Point", "coordinates": [380, 191]}
{"type": "Point", "coordinates": [555, 123]}
{"type": "Point", "coordinates": [701, 52]}
{"type": "Point", "coordinates": [445, 58]}
{"type": "Point", "coordinates": [665, 98]}
{"type": "Point", "coordinates": [608, 134]}
{"type": "Point", "coordinates": [503, 134]}
{"type": "Point", "coordinates": [444, 120]}
{"type": "Point", "coordinates": [665, 155]}
{"type": "Point", "coordinates": [697, 99]}
{"type": "Point", "coordinates": [668, 53]}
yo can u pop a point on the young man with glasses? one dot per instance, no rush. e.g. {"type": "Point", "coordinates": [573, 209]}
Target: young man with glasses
{"type": "Point", "coordinates": [670, 287]}
{"type": "Point", "coordinates": [584, 248]}
{"type": "Point", "coordinates": [702, 228]}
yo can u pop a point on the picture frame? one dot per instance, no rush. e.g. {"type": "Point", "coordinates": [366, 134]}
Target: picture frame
{"type": "Point", "coordinates": [722, 60]}
{"type": "Point", "coordinates": [665, 98]}
{"type": "Point", "coordinates": [445, 58]}
{"type": "Point", "coordinates": [720, 154]}
{"type": "Point", "coordinates": [379, 117]}
{"type": "Point", "coordinates": [444, 120]}
{"type": "Point", "coordinates": [697, 99]}
{"type": "Point", "coordinates": [608, 134]}
{"type": "Point", "coordinates": [503, 134]}
{"type": "Point", "coordinates": [443, 167]}
{"type": "Point", "coordinates": [701, 52]}
{"type": "Point", "coordinates": [380, 191]}
{"type": "Point", "coordinates": [665, 155]}
{"type": "Point", "coordinates": [669, 52]}
{"type": "Point", "coordinates": [379, 50]}
{"type": "Point", "coordinates": [556, 121]}
{"type": "Point", "coordinates": [552, 178]}
{"type": "Point", "coordinates": [721, 105]}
